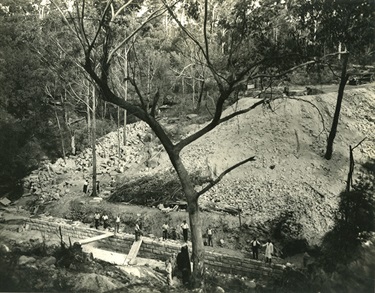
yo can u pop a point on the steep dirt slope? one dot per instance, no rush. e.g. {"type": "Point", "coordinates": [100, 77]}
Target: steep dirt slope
{"type": "Point", "coordinates": [289, 174]}
{"type": "Point", "coordinates": [289, 142]}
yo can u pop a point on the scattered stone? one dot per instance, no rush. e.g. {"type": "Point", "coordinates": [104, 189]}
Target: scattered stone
{"type": "Point", "coordinates": [91, 282]}
{"type": "Point", "coordinates": [218, 289]}
{"type": "Point", "coordinates": [251, 284]}
{"type": "Point", "coordinates": [25, 260]}
{"type": "Point", "coordinates": [4, 249]}
{"type": "Point", "coordinates": [191, 116]}
{"type": "Point", "coordinates": [96, 200]}
{"type": "Point", "coordinates": [5, 201]}
{"type": "Point", "coordinates": [48, 260]}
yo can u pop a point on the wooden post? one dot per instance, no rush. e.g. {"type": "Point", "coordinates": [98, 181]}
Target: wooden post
{"type": "Point", "coordinates": [239, 216]}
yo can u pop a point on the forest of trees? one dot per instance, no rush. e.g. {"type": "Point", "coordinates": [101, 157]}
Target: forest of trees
{"type": "Point", "coordinates": [74, 70]}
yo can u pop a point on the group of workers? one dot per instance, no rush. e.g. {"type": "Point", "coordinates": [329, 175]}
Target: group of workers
{"type": "Point", "coordinates": [255, 245]}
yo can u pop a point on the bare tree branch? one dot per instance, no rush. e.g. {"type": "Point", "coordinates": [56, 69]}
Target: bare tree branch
{"type": "Point", "coordinates": [312, 104]}
{"type": "Point", "coordinates": [114, 15]}
{"type": "Point", "coordinates": [358, 144]}
{"type": "Point", "coordinates": [205, 30]}
{"type": "Point", "coordinates": [218, 179]}
{"type": "Point", "coordinates": [75, 31]}
{"type": "Point", "coordinates": [101, 22]}
{"type": "Point", "coordinates": [152, 16]}
{"type": "Point", "coordinates": [216, 75]}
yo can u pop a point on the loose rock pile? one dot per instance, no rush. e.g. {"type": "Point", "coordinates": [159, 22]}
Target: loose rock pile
{"type": "Point", "coordinates": [54, 180]}
{"type": "Point", "coordinates": [289, 172]}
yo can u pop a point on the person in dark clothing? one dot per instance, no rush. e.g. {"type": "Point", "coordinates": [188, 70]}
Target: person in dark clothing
{"type": "Point", "coordinates": [209, 236]}
{"type": "Point", "coordinates": [97, 187]}
{"type": "Point", "coordinates": [137, 231]}
{"type": "Point", "coordinates": [97, 220]}
{"type": "Point", "coordinates": [255, 247]}
{"type": "Point", "coordinates": [183, 264]}
{"type": "Point", "coordinates": [85, 186]}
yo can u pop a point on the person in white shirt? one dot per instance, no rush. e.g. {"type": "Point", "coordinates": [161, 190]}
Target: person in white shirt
{"type": "Point", "coordinates": [97, 220]}
{"type": "Point", "coordinates": [269, 251]}
{"type": "Point", "coordinates": [105, 221]}
{"type": "Point", "coordinates": [117, 224]}
{"type": "Point", "coordinates": [165, 229]}
{"type": "Point", "coordinates": [185, 230]}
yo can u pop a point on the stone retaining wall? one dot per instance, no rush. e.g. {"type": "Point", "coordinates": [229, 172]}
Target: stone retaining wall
{"type": "Point", "coordinates": [156, 249]}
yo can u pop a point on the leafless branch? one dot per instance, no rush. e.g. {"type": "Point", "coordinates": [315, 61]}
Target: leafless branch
{"type": "Point", "coordinates": [218, 179]}
{"type": "Point", "coordinates": [101, 22]}
{"type": "Point", "coordinates": [216, 75]}
{"type": "Point", "coordinates": [358, 144]}
{"type": "Point", "coordinates": [115, 14]}
{"type": "Point", "coordinates": [159, 12]}
{"type": "Point", "coordinates": [312, 104]}
{"type": "Point", "coordinates": [75, 30]}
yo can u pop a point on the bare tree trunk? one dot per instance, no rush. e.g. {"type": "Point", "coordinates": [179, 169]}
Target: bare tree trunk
{"type": "Point", "coordinates": [73, 143]}
{"type": "Point", "coordinates": [351, 169]}
{"type": "Point", "coordinates": [124, 138]}
{"type": "Point", "coordinates": [197, 280]}
{"type": "Point", "coordinates": [349, 180]}
{"type": "Point", "coordinates": [197, 243]}
{"type": "Point", "coordinates": [88, 113]}
{"type": "Point", "coordinates": [93, 135]}
{"type": "Point", "coordinates": [61, 136]}
{"type": "Point", "coordinates": [193, 92]}
{"type": "Point", "coordinates": [118, 134]}
{"type": "Point", "coordinates": [340, 95]}
{"type": "Point", "coordinates": [148, 82]}
{"type": "Point", "coordinates": [199, 103]}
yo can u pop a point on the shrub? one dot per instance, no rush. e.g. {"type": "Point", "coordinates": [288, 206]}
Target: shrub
{"type": "Point", "coordinates": [288, 230]}
{"type": "Point", "coordinates": [355, 220]}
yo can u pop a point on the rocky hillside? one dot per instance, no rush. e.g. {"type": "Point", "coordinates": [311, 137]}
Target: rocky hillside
{"type": "Point", "coordinates": [289, 174]}
{"type": "Point", "coordinates": [289, 141]}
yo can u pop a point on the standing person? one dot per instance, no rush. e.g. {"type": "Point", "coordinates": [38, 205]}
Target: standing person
{"type": "Point", "coordinates": [255, 247]}
{"type": "Point", "coordinates": [97, 220]}
{"type": "Point", "coordinates": [137, 231]}
{"type": "Point", "coordinates": [169, 269]}
{"type": "Point", "coordinates": [105, 221]}
{"type": "Point", "coordinates": [97, 187]}
{"type": "Point", "coordinates": [85, 186]}
{"type": "Point", "coordinates": [183, 264]}
{"type": "Point", "coordinates": [269, 251]}
{"type": "Point", "coordinates": [185, 229]}
{"type": "Point", "coordinates": [165, 229]}
{"type": "Point", "coordinates": [209, 236]}
{"type": "Point", "coordinates": [117, 224]}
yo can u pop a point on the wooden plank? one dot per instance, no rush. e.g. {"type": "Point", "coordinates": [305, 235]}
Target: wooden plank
{"type": "Point", "coordinates": [133, 252]}
{"type": "Point", "coordinates": [95, 238]}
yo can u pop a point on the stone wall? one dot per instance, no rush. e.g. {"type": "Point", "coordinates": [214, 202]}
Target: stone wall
{"type": "Point", "coordinates": [156, 249]}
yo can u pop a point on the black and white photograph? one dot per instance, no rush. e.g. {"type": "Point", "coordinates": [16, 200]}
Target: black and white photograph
{"type": "Point", "coordinates": [204, 146]}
